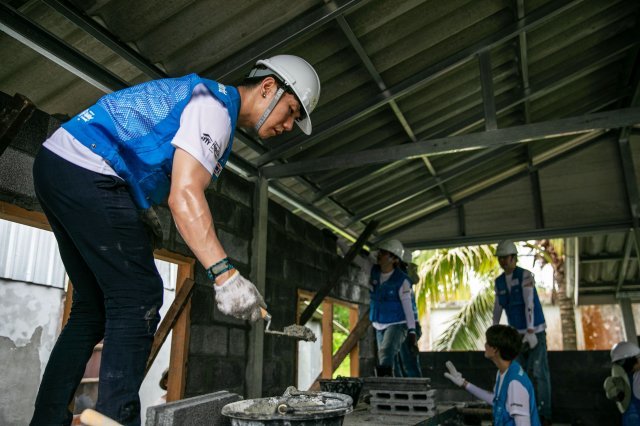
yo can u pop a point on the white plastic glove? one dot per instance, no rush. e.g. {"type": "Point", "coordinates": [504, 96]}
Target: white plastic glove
{"type": "Point", "coordinates": [454, 375]}
{"type": "Point", "coordinates": [238, 297]}
{"type": "Point", "coordinates": [531, 339]}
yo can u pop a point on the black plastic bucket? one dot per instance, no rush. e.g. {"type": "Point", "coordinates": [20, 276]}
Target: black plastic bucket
{"type": "Point", "coordinates": [295, 408]}
{"type": "Point", "coordinates": [351, 386]}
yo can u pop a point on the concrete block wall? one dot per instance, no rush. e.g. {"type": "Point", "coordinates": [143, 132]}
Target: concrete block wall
{"type": "Point", "coordinates": [576, 382]}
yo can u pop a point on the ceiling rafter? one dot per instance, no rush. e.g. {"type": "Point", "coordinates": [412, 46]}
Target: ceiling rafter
{"type": "Point", "coordinates": [534, 20]}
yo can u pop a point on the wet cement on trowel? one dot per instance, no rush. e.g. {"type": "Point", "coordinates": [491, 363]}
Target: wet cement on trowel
{"type": "Point", "coordinates": [300, 332]}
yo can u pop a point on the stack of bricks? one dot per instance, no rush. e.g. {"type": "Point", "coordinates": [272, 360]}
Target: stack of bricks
{"type": "Point", "coordinates": [401, 396]}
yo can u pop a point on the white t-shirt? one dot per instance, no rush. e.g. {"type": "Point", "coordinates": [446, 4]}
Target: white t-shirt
{"type": "Point", "coordinates": [205, 128]}
{"type": "Point", "coordinates": [517, 397]}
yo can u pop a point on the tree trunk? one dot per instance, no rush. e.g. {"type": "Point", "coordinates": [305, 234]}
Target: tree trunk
{"type": "Point", "coordinates": [565, 303]}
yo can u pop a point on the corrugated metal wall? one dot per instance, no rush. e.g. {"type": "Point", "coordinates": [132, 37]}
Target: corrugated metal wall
{"type": "Point", "coordinates": [30, 255]}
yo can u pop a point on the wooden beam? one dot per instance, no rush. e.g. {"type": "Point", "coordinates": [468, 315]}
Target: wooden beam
{"type": "Point", "coordinates": [327, 340]}
{"type": "Point", "coordinates": [347, 346]}
{"type": "Point", "coordinates": [16, 214]}
{"type": "Point", "coordinates": [338, 272]}
{"type": "Point", "coordinates": [354, 354]}
{"type": "Point", "coordinates": [181, 335]}
{"type": "Point", "coordinates": [183, 295]}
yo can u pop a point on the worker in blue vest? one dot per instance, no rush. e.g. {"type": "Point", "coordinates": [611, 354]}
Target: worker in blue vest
{"type": "Point", "coordinates": [516, 294]}
{"type": "Point", "coordinates": [97, 179]}
{"type": "Point", "coordinates": [623, 386]}
{"type": "Point", "coordinates": [407, 362]}
{"type": "Point", "coordinates": [513, 399]}
{"type": "Point", "coordinates": [391, 312]}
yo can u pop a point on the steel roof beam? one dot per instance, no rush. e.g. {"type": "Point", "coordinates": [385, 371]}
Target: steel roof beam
{"type": "Point", "coordinates": [534, 20]}
{"type": "Point", "coordinates": [628, 245]}
{"type": "Point", "coordinates": [283, 36]}
{"type": "Point", "coordinates": [16, 25]}
{"type": "Point", "coordinates": [504, 181]}
{"type": "Point", "coordinates": [352, 179]}
{"type": "Point", "coordinates": [373, 72]}
{"type": "Point", "coordinates": [598, 228]}
{"type": "Point", "coordinates": [486, 84]}
{"type": "Point", "coordinates": [493, 138]}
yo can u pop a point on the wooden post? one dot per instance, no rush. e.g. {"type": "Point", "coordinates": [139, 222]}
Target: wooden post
{"type": "Point", "coordinates": [327, 340]}
{"type": "Point", "coordinates": [354, 355]}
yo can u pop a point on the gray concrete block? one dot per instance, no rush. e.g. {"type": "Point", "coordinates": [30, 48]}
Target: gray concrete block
{"type": "Point", "coordinates": [237, 248]}
{"type": "Point", "coordinates": [236, 188]}
{"type": "Point", "coordinates": [237, 342]}
{"type": "Point", "coordinates": [208, 340]}
{"type": "Point", "coordinates": [196, 411]}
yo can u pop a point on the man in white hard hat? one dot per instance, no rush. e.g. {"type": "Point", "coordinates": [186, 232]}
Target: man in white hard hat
{"type": "Point", "coordinates": [97, 178]}
{"type": "Point", "coordinates": [623, 386]}
{"type": "Point", "coordinates": [391, 311]}
{"type": "Point", "coordinates": [516, 294]}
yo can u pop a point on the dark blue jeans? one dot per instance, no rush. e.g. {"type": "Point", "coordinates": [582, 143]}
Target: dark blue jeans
{"type": "Point", "coordinates": [536, 364]}
{"type": "Point", "coordinates": [117, 291]}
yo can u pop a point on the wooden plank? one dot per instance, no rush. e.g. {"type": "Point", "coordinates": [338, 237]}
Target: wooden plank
{"type": "Point", "coordinates": [180, 339]}
{"type": "Point", "coordinates": [338, 272]}
{"type": "Point", "coordinates": [354, 354]}
{"type": "Point", "coordinates": [183, 295]}
{"type": "Point", "coordinates": [16, 214]}
{"type": "Point", "coordinates": [327, 340]}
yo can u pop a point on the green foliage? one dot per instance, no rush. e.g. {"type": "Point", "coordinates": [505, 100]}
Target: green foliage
{"type": "Point", "coordinates": [445, 274]}
{"type": "Point", "coordinates": [341, 317]}
{"type": "Point", "coordinates": [466, 329]}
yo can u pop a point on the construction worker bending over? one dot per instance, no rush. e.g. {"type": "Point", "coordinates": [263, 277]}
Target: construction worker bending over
{"type": "Point", "coordinates": [97, 178]}
{"type": "Point", "coordinates": [391, 312]}
{"type": "Point", "coordinates": [516, 294]}
{"type": "Point", "coordinates": [623, 386]}
{"type": "Point", "coordinates": [513, 400]}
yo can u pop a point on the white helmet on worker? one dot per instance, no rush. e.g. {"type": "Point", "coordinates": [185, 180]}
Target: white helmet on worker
{"type": "Point", "coordinates": [298, 77]}
{"type": "Point", "coordinates": [624, 350]}
{"type": "Point", "coordinates": [392, 246]}
{"type": "Point", "coordinates": [506, 248]}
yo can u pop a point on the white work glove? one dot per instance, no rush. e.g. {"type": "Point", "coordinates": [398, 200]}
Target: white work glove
{"type": "Point", "coordinates": [454, 375]}
{"type": "Point", "coordinates": [531, 339]}
{"type": "Point", "coordinates": [239, 298]}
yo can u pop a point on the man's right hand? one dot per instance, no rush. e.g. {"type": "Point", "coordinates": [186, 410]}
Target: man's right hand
{"type": "Point", "coordinates": [239, 298]}
{"type": "Point", "coordinates": [454, 375]}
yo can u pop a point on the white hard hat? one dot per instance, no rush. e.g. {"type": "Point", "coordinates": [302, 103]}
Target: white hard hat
{"type": "Point", "coordinates": [298, 76]}
{"type": "Point", "coordinates": [392, 246]}
{"type": "Point", "coordinates": [624, 350]}
{"type": "Point", "coordinates": [407, 257]}
{"type": "Point", "coordinates": [506, 248]}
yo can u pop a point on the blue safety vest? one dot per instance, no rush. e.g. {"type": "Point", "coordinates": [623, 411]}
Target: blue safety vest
{"type": "Point", "coordinates": [501, 416]}
{"type": "Point", "coordinates": [132, 130]}
{"type": "Point", "coordinates": [512, 301]}
{"type": "Point", "coordinates": [631, 416]}
{"type": "Point", "coordinates": [386, 307]}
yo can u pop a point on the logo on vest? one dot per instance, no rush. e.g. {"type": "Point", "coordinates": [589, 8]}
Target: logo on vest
{"type": "Point", "coordinates": [87, 115]}
{"type": "Point", "coordinates": [222, 88]}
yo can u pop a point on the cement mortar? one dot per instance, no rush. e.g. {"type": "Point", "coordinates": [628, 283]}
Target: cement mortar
{"type": "Point", "coordinates": [293, 407]}
{"type": "Point", "coordinates": [300, 332]}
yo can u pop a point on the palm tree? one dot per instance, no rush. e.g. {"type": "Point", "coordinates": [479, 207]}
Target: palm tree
{"type": "Point", "coordinates": [445, 275]}
{"type": "Point", "coordinates": [552, 252]}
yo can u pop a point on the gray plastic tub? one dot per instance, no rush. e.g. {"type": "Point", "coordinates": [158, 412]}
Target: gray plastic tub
{"type": "Point", "coordinates": [294, 408]}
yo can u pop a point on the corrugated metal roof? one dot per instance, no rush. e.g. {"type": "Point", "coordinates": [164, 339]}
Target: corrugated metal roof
{"type": "Point", "coordinates": [393, 74]}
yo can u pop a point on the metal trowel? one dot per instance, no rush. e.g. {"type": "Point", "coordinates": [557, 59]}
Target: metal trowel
{"type": "Point", "coordinates": [295, 331]}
